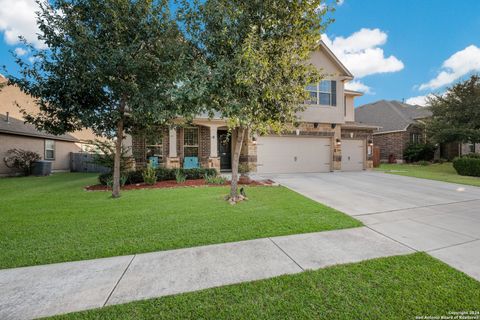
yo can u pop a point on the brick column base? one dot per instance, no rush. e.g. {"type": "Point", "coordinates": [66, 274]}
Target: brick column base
{"type": "Point", "coordinates": [172, 163]}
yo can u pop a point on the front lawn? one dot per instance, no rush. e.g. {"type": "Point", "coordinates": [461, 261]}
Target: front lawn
{"type": "Point", "coordinates": [53, 219]}
{"type": "Point", "coordinates": [402, 287]}
{"type": "Point", "coordinates": [441, 172]}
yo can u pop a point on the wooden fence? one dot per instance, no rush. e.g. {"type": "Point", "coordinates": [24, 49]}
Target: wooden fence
{"type": "Point", "coordinates": [83, 162]}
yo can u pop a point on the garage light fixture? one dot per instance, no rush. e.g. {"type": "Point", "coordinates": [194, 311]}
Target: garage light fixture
{"type": "Point", "coordinates": [315, 125]}
{"type": "Point", "coordinates": [334, 125]}
{"type": "Point", "coordinates": [254, 140]}
{"type": "Point", "coordinates": [338, 142]}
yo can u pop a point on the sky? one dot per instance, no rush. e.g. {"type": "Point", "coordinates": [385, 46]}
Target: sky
{"type": "Point", "coordinates": [397, 49]}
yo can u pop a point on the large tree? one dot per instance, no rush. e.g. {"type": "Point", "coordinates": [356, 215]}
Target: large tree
{"type": "Point", "coordinates": [456, 113]}
{"type": "Point", "coordinates": [256, 54]}
{"type": "Point", "coordinates": [109, 65]}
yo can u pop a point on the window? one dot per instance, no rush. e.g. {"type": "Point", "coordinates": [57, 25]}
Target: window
{"type": "Point", "coordinates": [415, 138]}
{"type": "Point", "coordinates": [49, 150]}
{"type": "Point", "coordinates": [323, 93]}
{"type": "Point", "coordinates": [471, 147]}
{"type": "Point", "coordinates": [190, 142]}
{"type": "Point", "coordinates": [154, 146]}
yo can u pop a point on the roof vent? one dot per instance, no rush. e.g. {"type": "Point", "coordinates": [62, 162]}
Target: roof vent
{"type": "Point", "coordinates": [7, 119]}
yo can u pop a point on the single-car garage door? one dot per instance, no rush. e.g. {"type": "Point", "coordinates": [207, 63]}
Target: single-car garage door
{"type": "Point", "coordinates": [279, 154]}
{"type": "Point", "coordinates": [353, 154]}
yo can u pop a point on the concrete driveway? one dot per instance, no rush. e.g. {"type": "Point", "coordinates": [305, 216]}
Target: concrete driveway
{"type": "Point", "coordinates": [440, 218]}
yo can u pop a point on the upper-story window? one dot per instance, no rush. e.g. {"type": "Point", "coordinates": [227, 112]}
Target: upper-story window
{"type": "Point", "coordinates": [323, 93]}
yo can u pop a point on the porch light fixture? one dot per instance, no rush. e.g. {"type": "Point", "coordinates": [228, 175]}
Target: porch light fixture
{"type": "Point", "coordinates": [370, 142]}
{"type": "Point", "coordinates": [338, 142]}
{"type": "Point", "coordinates": [315, 125]}
{"type": "Point", "coordinates": [351, 135]}
{"type": "Point", "coordinates": [254, 140]}
{"type": "Point", "coordinates": [334, 125]}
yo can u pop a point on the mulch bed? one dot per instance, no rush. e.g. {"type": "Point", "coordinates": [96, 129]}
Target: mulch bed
{"type": "Point", "coordinates": [174, 184]}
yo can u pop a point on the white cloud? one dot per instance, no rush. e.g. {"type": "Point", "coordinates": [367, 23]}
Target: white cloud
{"type": "Point", "coordinates": [361, 52]}
{"type": "Point", "coordinates": [18, 18]}
{"type": "Point", "coordinates": [418, 100]}
{"type": "Point", "coordinates": [459, 64]}
{"type": "Point", "coordinates": [20, 51]}
{"type": "Point", "coordinates": [340, 2]}
{"type": "Point", "coordinates": [358, 86]}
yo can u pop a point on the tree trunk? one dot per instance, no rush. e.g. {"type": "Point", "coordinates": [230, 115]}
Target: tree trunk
{"type": "Point", "coordinates": [118, 153]}
{"type": "Point", "coordinates": [234, 196]}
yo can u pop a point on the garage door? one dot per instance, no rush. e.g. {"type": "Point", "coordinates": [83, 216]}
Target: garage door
{"type": "Point", "coordinates": [276, 154]}
{"type": "Point", "coordinates": [353, 152]}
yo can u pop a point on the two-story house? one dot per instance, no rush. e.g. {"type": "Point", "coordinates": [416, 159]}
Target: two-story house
{"type": "Point", "coordinates": [326, 139]}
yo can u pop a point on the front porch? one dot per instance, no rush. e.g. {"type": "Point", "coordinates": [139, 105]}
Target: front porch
{"type": "Point", "coordinates": [203, 144]}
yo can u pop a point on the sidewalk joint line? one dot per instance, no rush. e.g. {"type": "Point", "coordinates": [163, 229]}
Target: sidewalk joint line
{"type": "Point", "coordinates": [411, 208]}
{"type": "Point", "coordinates": [443, 228]}
{"type": "Point", "coordinates": [286, 254]}
{"type": "Point", "coordinates": [119, 279]}
{"type": "Point", "coordinates": [454, 245]}
{"type": "Point", "coordinates": [403, 244]}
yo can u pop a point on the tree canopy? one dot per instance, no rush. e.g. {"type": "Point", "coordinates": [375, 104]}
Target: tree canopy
{"type": "Point", "coordinates": [456, 113]}
{"type": "Point", "coordinates": [109, 65]}
{"type": "Point", "coordinates": [256, 54]}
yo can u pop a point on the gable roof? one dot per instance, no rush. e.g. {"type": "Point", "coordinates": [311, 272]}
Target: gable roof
{"type": "Point", "coordinates": [18, 127]}
{"type": "Point", "coordinates": [334, 58]}
{"type": "Point", "coordinates": [390, 115]}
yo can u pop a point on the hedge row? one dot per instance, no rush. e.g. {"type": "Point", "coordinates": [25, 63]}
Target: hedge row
{"type": "Point", "coordinates": [163, 174]}
{"type": "Point", "coordinates": [468, 165]}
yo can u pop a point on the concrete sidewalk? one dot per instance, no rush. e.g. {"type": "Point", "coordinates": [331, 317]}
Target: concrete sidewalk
{"type": "Point", "coordinates": [46, 290]}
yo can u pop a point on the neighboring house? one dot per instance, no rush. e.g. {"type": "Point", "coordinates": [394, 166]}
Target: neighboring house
{"type": "Point", "coordinates": [326, 139]}
{"type": "Point", "coordinates": [401, 124]}
{"type": "Point", "coordinates": [14, 133]}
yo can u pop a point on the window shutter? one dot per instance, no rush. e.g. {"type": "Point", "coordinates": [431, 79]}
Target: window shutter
{"type": "Point", "coordinates": [334, 92]}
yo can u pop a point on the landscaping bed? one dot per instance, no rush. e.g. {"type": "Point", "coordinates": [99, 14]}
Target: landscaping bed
{"type": "Point", "coordinates": [414, 286]}
{"type": "Point", "coordinates": [175, 184]}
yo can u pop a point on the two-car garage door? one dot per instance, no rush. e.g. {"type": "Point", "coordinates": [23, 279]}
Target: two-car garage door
{"type": "Point", "coordinates": [280, 154]}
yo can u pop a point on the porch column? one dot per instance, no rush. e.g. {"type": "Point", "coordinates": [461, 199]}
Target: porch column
{"type": "Point", "coordinates": [213, 142]}
{"type": "Point", "coordinates": [172, 145]}
{"type": "Point", "coordinates": [172, 160]}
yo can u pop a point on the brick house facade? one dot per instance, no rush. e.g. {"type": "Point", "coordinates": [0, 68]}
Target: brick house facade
{"type": "Point", "coordinates": [393, 144]}
{"type": "Point", "coordinates": [248, 153]}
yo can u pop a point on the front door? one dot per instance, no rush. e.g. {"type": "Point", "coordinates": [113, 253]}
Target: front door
{"type": "Point", "coordinates": [225, 150]}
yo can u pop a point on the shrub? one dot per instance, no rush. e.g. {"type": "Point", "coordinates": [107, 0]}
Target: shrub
{"type": "Point", "coordinates": [149, 175]}
{"type": "Point", "coordinates": [162, 174]}
{"type": "Point", "coordinates": [180, 176]}
{"type": "Point", "coordinates": [134, 177]}
{"type": "Point", "coordinates": [467, 166]}
{"type": "Point", "coordinates": [243, 168]}
{"type": "Point", "coordinates": [214, 179]}
{"type": "Point", "coordinates": [21, 160]}
{"type": "Point", "coordinates": [472, 155]}
{"type": "Point", "coordinates": [105, 156]}
{"type": "Point", "coordinates": [106, 179]}
{"type": "Point", "coordinates": [415, 152]}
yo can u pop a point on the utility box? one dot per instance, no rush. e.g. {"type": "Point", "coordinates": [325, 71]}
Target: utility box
{"type": "Point", "coordinates": [41, 168]}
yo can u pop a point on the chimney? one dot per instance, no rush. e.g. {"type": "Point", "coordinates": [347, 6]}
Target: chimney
{"type": "Point", "coordinates": [8, 117]}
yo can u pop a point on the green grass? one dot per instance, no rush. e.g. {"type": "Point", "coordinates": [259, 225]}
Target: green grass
{"type": "Point", "coordinates": [401, 287]}
{"type": "Point", "coordinates": [52, 219]}
{"type": "Point", "coordinates": [441, 172]}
